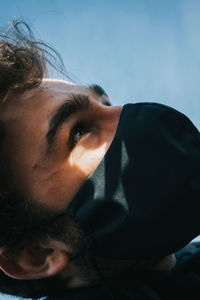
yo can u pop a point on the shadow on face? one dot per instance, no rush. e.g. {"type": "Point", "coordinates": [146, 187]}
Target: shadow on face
{"type": "Point", "coordinates": [82, 126]}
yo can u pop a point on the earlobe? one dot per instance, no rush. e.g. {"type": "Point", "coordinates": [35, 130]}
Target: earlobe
{"type": "Point", "coordinates": [36, 262]}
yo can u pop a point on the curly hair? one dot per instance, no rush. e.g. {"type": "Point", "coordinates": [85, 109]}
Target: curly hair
{"type": "Point", "coordinates": [24, 62]}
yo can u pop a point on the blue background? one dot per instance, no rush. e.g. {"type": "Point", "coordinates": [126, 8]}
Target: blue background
{"type": "Point", "coordinates": [137, 50]}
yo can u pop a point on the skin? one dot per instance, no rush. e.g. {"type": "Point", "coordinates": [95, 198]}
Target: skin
{"type": "Point", "coordinates": [53, 178]}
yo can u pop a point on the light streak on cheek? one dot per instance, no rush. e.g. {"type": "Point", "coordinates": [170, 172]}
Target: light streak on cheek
{"type": "Point", "coordinates": [86, 160]}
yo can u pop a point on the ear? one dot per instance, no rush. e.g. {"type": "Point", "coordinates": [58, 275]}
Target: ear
{"type": "Point", "coordinates": [36, 262]}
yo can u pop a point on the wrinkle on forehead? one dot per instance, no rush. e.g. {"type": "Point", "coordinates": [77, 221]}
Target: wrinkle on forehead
{"type": "Point", "coordinates": [64, 86]}
{"type": "Point", "coordinates": [51, 85]}
{"type": "Point", "coordinates": [44, 80]}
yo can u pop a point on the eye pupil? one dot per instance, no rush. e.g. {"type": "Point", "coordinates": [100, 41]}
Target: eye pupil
{"type": "Point", "coordinates": [79, 134]}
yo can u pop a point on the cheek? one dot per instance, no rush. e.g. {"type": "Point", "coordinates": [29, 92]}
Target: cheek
{"type": "Point", "coordinates": [24, 161]}
{"type": "Point", "coordinates": [21, 161]}
{"type": "Point", "coordinates": [86, 156]}
{"type": "Point", "coordinates": [63, 182]}
{"type": "Point", "coordinates": [58, 189]}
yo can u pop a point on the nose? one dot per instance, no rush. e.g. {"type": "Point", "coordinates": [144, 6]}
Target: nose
{"type": "Point", "coordinates": [111, 116]}
{"type": "Point", "coordinates": [108, 119]}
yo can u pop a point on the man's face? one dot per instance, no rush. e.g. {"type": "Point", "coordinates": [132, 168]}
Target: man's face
{"type": "Point", "coordinates": [55, 136]}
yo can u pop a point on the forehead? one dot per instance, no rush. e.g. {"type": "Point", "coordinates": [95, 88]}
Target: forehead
{"type": "Point", "coordinates": [52, 89]}
{"type": "Point", "coordinates": [55, 85]}
{"type": "Point", "coordinates": [26, 119]}
{"type": "Point", "coordinates": [49, 93]}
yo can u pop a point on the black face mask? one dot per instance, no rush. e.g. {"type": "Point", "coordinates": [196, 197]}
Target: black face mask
{"type": "Point", "coordinates": [143, 200]}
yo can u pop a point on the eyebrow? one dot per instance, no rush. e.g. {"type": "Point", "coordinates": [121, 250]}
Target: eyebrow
{"type": "Point", "coordinates": [71, 106]}
{"type": "Point", "coordinates": [98, 90]}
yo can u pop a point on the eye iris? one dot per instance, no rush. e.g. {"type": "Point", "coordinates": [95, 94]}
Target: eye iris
{"type": "Point", "coordinates": [78, 134]}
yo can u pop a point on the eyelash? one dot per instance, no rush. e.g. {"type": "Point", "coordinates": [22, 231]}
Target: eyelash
{"type": "Point", "coordinates": [80, 128]}
{"type": "Point", "coordinates": [76, 134]}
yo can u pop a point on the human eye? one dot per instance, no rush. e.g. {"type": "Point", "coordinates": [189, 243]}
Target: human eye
{"type": "Point", "coordinates": [106, 102]}
{"type": "Point", "coordinates": [77, 132]}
